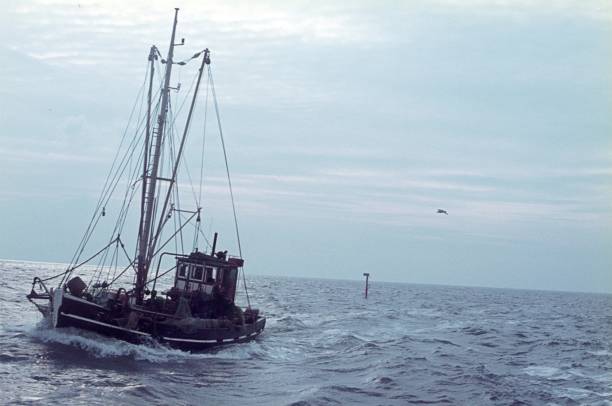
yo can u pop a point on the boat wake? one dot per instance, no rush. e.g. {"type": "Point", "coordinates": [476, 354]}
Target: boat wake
{"type": "Point", "coordinates": [97, 346]}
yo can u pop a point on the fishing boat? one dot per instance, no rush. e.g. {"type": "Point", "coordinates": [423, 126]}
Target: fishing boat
{"type": "Point", "coordinates": [108, 291]}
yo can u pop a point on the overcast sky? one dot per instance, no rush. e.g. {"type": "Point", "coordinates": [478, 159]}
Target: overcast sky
{"type": "Point", "coordinates": [348, 125]}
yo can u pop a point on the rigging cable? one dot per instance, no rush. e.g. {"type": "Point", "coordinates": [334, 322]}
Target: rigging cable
{"type": "Point", "coordinates": [175, 194]}
{"type": "Point", "coordinates": [162, 218]}
{"type": "Point", "coordinates": [199, 201]}
{"type": "Point", "coordinates": [127, 200]}
{"type": "Point", "coordinates": [229, 180]}
{"type": "Point", "coordinates": [113, 185]}
{"type": "Point", "coordinates": [95, 217]}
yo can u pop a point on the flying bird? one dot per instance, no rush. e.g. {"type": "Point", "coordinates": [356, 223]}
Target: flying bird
{"type": "Point", "coordinates": [440, 211]}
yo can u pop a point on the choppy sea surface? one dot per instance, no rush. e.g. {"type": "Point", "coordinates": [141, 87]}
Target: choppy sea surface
{"type": "Point", "coordinates": [325, 344]}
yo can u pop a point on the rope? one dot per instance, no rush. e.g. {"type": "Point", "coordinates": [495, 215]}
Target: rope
{"type": "Point", "coordinates": [95, 217]}
{"type": "Point", "coordinates": [175, 169]}
{"type": "Point", "coordinates": [183, 162]}
{"type": "Point", "coordinates": [115, 262]}
{"type": "Point", "coordinates": [229, 180]}
{"type": "Point", "coordinates": [111, 182]}
{"type": "Point", "coordinates": [175, 195]}
{"type": "Point", "coordinates": [199, 201]}
{"type": "Point", "coordinates": [126, 203]}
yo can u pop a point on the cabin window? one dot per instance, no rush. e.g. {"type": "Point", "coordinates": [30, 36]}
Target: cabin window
{"type": "Point", "coordinates": [197, 273]}
{"type": "Point", "coordinates": [182, 270]}
{"type": "Point", "coordinates": [209, 275]}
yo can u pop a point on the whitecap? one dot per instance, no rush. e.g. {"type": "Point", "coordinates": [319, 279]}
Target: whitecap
{"type": "Point", "coordinates": [581, 394]}
{"type": "Point", "coordinates": [546, 372]}
{"type": "Point", "coordinates": [31, 399]}
{"type": "Point", "coordinates": [600, 353]}
{"type": "Point", "coordinates": [105, 347]}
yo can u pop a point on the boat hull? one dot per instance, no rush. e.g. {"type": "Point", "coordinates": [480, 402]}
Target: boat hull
{"type": "Point", "coordinates": [79, 313]}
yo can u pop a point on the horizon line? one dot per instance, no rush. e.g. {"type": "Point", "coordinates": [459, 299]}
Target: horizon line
{"type": "Point", "coordinates": [384, 281]}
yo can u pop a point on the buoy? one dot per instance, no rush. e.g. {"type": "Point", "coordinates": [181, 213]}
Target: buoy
{"type": "Point", "coordinates": [367, 275]}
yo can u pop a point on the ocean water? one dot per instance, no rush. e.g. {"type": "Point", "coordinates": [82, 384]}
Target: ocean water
{"type": "Point", "coordinates": [325, 344]}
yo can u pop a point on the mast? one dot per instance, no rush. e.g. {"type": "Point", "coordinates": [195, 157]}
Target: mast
{"type": "Point", "coordinates": [172, 180]}
{"type": "Point", "coordinates": [145, 164]}
{"type": "Point", "coordinates": [150, 179]}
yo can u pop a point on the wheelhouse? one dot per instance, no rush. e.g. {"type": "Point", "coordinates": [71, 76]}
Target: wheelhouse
{"type": "Point", "coordinates": [206, 274]}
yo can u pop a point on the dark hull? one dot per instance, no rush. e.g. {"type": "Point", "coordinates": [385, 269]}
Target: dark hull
{"type": "Point", "coordinates": [79, 313]}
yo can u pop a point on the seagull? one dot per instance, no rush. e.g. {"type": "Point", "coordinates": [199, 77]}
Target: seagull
{"type": "Point", "coordinates": [440, 211]}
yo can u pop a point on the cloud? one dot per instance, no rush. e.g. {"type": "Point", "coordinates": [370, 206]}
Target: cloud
{"type": "Point", "coordinates": [20, 155]}
{"type": "Point", "coordinates": [595, 9]}
{"type": "Point", "coordinates": [89, 28]}
{"type": "Point", "coordinates": [410, 198]}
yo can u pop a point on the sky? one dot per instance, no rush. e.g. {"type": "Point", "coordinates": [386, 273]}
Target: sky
{"type": "Point", "coordinates": [348, 124]}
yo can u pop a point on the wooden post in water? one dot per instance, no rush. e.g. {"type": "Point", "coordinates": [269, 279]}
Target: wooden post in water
{"type": "Point", "coordinates": [367, 275]}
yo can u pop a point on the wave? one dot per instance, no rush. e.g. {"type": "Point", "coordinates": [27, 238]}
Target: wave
{"type": "Point", "coordinates": [99, 346]}
{"type": "Point", "coordinates": [601, 353]}
{"type": "Point", "coordinates": [549, 373]}
{"type": "Point", "coordinates": [477, 331]}
{"type": "Point", "coordinates": [287, 324]}
{"type": "Point", "coordinates": [438, 341]}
